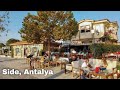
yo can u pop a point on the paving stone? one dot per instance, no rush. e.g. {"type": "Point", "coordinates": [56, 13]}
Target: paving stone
{"type": "Point", "coordinates": [21, 65]}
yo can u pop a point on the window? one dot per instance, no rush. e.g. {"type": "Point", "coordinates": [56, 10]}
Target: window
{"type": "Point", "coordinates": [87, 30]}
{"type": "Point", "coordinates": [90, 41]}
{"type": "Point", "coordinates": [17, 51]}
{"type": "Point", "coordinates": [82, 31]}
{"type": "Point", "coordinates": [34, 49]}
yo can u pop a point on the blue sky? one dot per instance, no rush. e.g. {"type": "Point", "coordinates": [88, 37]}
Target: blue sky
{"type": "Point", "coordinates": [16, 18]}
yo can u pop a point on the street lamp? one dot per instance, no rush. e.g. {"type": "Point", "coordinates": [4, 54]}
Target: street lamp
{"type": "Point", "coordinates": [93, 41]}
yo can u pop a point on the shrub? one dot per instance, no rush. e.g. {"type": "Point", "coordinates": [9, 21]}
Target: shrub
{"type": "Point", "coordinates": [118, 67]}
{"type": "Point", "coordinates": [99, 49]}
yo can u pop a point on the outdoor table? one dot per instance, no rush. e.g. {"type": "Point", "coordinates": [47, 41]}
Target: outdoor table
{"type": "Point", "coordinates": [63, 62]}
{"type": "Point", "coordinates": [102, 75]}
{"type": "Point", "coordinates": [97, 74]}
{"type": "Point", "coordinates": [64, 59]}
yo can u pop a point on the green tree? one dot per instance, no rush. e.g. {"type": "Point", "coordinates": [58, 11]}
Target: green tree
{"type": "Point", "coordinates": [49, 25]}
{"type": "Point", "coordinates": [104, 48]}
{"type": "Point", "coordinates": [4, 20]}
{"type": "Point", "coordinates": [12, 40]}
{"type": "Point", "coordinates": [1, 45]}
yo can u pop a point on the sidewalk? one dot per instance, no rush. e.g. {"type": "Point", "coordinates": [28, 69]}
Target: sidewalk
{"type": "Point", "coordinates": [4, 56]}
{"type": "Point", "coordinates": [21, 65]}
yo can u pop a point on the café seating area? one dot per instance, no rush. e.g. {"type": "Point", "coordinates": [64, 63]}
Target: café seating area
{"type": "Point", "coordinates": [75, 67]}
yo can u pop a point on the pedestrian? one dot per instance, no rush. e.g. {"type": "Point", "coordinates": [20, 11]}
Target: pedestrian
{"type": "Point", "coordinates": [31, 60]}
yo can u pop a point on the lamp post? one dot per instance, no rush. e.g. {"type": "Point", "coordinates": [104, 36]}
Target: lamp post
{"type": "Point", "coordinates": [93, 41]}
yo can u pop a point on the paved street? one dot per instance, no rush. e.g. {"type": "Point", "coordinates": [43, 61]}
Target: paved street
{"type": "Point", "coordinates": [20, 64]}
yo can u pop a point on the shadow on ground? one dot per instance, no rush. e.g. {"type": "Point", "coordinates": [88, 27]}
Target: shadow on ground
{"type": "Point", "coordinates": [55, 75]}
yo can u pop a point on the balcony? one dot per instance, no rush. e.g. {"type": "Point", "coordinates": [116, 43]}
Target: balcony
{"type": "Point", "coordinates": [88, 35]}
{"type": "Point", "coordinates": [85, 35]}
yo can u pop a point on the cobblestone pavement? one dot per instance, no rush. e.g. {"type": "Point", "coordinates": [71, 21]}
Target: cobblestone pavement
{"type": "Point", "coordinates": [21, 65]}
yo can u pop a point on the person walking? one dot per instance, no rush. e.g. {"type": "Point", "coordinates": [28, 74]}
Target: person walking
{"type": "Point", "coordinates": [31, 60]}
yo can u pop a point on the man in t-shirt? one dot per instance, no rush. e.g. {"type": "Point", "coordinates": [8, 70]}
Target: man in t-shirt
{"type": "Point", "coordinates": [86, 66]}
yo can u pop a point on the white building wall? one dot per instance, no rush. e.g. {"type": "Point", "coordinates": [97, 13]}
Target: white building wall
{"type": "Point", "coordinates": [85, 24]}
{"type": "Point", "coordinates": [100, 28]}
{"type": "Point", "coordinates": [21, 48]}
{"type": "Point", "coordinates": [114, 31]}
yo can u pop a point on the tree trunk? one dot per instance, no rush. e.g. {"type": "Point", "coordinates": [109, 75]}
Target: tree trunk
{"type": "Point", "coordinates": [49, 48]}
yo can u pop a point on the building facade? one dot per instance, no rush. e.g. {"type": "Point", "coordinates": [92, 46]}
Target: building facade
{"type": "Point", "coordinates": [89, 29]}
{"type": "Point", "coordinates": [5, 50]}
{"type": "Point", "coordinates": [23, 48]}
